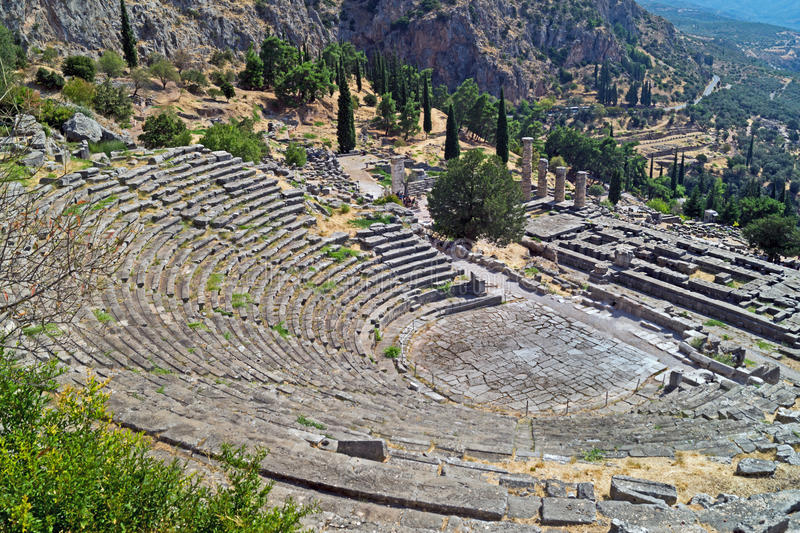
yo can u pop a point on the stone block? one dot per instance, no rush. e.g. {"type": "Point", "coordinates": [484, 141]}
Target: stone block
{"type": "Point", "coordinates": [567, 511]}
{"type": "Point", "coordinates": [373, 449]}
{"type": "Point", "coordinates": [785, 416]}
{"type": "Point", "coordinates": [750, 467]}
{"type": "Point", "coordinates": [634, 490]}
{"type": "Point", "coordinates": [523, 506]}
{"type": "Point", "coordinates": [585, 491]}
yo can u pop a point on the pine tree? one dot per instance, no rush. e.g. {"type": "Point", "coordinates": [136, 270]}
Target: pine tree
{"type": "Point", "coordinates": [128, 38]}
{"type": "Point", "coordinates": [615, 187]}
{"type": "Point", "coordinates": [252, 77]}
{"type": "Point", "coordinates": [502, 129]}
{"type": "Point", "coordinates": [788, 208]}
{"type": "Point", "coordinates": [674, 175]}
{"type": "Point", "coordinates": [427, 122]}
{"type": "Point", "coordinates": [345, 127]}
{"type": "Point", "coordinates": [682, 170]}
{"type": "Point", "coordinates": [693, 207]}
{"type": "Point", "coordinates": [451, 147]}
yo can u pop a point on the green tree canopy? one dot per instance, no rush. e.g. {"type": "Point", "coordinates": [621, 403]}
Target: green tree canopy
{"type": "Point", "coordinates": [111, 64]}
{"type": "Point", "coordinates": [163, 69]}
{"type": "Point", "coordinates": [477, 198]}
{"type": "Point", "coordinates": [302, 84]}
{"type": "Point", "coordinates": [345, 123]}
{"type": "Point", "coordinates": [775, 235]}
{"type": "Point", "coordinates": [388, 112]}
{"type": "Point", "coordinates": [252, 77]}
{"type": "Point", "coordinates": [409, 119]}
{"type": "Point", "coordinates": [164, 130]}
{"type": "Point", "coordinates": [238, 138]}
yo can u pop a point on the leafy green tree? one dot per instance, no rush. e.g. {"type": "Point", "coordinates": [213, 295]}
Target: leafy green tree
{"type": "Point", "coordinates": [111, 64]}
{"type": "Point", "coordinates": [451, 146]}
{"type": "Point", "coordinates": [277, 58]}
{"type": "Point", "coordinates": [788, 208]}
{"type": "Point", "coordinates": [164, 130]}
{"type": "Point", "coordinates": [227, 90]}
{"type": "Point", "coordinates": [79, 91]}
{"type": "Point", "coordinates": [80, 66]}
{"type": "Point", "coordinates": [502, 129]}
{"type": "Point", "coordinates": [730, 211]}
{"type": "Point", "coordinates": [345, 125]}
{"type": "Point", "coordinates": [409, 119]}
{"type": "Point", "coordinates": [477, 198]}
{"type": "Point", "coordinates": [615, 187]}
{"type": "Point", "coordinates": [128, 37]}
{"type": "Point", "coordinates": [9, 54]}
{"type": "Point", "coordinates": [753, 208]}
{"type": "Point", "coordinates": [427, 123]}
{"type": "Point", "coordinates": [302, 84]}
{"type": "Point", "coordinates": [387, 112]}
{"type": "Point", "coordinates": [165, 71]}
{"type": "Point", "coordinates": [775, 235]}
{"type": "Point", "coordinates": [252, 77]}
{"type": "Point", "coordinates": [112, 102]}
{"type": "Point", "coordinates": [141, 77]}
{"type": "Point", "coordinates": [238, 138]}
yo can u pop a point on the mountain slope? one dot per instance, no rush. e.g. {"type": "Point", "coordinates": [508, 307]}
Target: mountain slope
{"type": "Point", "coordinates": [519, 46]}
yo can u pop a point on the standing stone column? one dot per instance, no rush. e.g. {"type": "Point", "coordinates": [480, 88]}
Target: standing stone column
{"type": "Point", "coordinates": [580, 190]}
{"type": "Point", "coordinates": [541, 191]}
{"type": "Point", "coordinates": [527, 155]}
{"type": "Point", "coordinates": [561, 183]}
{"type": "Point", "coordinates": [398, 174]}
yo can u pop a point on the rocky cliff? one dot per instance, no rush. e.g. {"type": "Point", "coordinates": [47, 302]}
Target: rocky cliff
{"type": "Point", "coordinates": [517, 45]}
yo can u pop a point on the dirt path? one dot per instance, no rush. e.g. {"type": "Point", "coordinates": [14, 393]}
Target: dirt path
{"type": "Point", "coordinates": [354, 165]}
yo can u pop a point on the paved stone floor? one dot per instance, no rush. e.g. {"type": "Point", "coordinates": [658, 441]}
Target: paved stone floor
{"type": "Point", "coordinates": [523, 351]}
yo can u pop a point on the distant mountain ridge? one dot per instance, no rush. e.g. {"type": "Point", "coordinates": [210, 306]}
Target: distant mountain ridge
{"type": "Point", "coordinates": [784, 13]}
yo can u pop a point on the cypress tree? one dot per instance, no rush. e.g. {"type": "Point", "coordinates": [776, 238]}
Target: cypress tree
{"type": "Point", "coordinates": [427, 123]}
{"type": "Point", "coordinates": [674, 174]}
{"type": "Point", "coordinates": [749, 158]}
{"type": "Point", "coordinates": [502, 129]}
{"type": "Point", "coordinates": [788, 208]}
{"type": "Point", "coordinates": [345, 127]}
{"type": "Point", "coordinates": [682, 171]}
{"type": "Point", "coordinates": [451, 147]}
{"type": "Point", "coordinates": [128, 37]}
{"type": "Point", "coordinates": [652, 159]}
{"type": "Point", "coordinates": [615, 187]}
{"type": "Point", "coordinates": [358, 75]}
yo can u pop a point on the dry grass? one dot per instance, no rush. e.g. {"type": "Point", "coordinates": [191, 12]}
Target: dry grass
{"type": "Point", "coordinates": [690, 472]}
{"type": "Point", "coordinates": [513, 255]}
{"type": "Point", "coordinates": [705, 276]}
{"type": "Point", "coordinates": [336, 222]}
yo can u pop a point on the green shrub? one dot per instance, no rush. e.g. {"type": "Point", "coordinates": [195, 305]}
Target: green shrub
{"type": "Point", "coordinates": [238, 138]}
{"type": "Point", "coordinates": [370, 100]}
{"type": "Point", "coordinates": [80, 66]}
{"type": "Point", "coordinates": [79, 91]}
{"type": "Point", "coordinates": [111, 64]}
{"type": "Point", "coordinates": [49, 55]}
{"type": "Point", "coordinates": [65, 467]}
{"type": "Point", "coordinates": [389, 198]}
{"type": "Point", "coordinates": [53, 114]}
{"type": "Point", "coordinates": [596, 190]}
{"type": "Point", "coordinates": [49, 79]}
{"type": "Point", "coordinates": [392, 352]}
{"type": "Point", "coordinates": [112, 102]}
{"type": "Point", "coordinates": [107, 147]}
{"type": "Point", "coordinates": [164, 130]}
{"type": "Point", "coordinates": [296, 155]}
{"type": "Point", "coordinates": [657, 204]}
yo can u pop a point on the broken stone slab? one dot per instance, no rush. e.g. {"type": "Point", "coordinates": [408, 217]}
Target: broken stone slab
{"type": "Point", "coordinates": [786, 454]}
{"type": "Point", "coordinates": [750, 467]}
{"type": "Point", "coordinates": [35, 159]}
{"type": "Point", "coordinates": [373, 449]}
{"type": "Point", "coordinates": [567, 511]}
{"type": "Point", "coordinates": [636, 490]}
{"type": "Point", "coordinates": [585, 491]}
{"type": "Point", "coordinates": [620, 526]}
{"type": "Point", "coordinates": [523, 507]}
{"type": "Point", "coordinates": [785, 416]}
{"type": "Point", "coordinates": [80, 128]}
{"type": "Point", "coordinates": [753, 513]}
{"type": "Point", "coordinates": [653, 518]}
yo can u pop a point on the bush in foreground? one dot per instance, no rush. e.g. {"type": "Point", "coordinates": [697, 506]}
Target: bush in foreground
{"type": "Point", "coordinates": [49, 79]}
{"type": "Point", "coordinates": [65, 467]}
